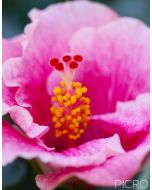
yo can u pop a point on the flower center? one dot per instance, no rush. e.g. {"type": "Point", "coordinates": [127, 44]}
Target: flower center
{"type": "Point", "coordinates": [70, 106]}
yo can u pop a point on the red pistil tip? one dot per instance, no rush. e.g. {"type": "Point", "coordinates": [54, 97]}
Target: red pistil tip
{"type": "Point", "coordinates": [66, 58]}
{"type": "Point", "coordinates": [54, 61]}
{"type": "Point", "coordinates": [59, 66]}
{"type": "Point", "coordinates": [73, 65]}
{"type": "Point", "coordinates": [78, 58]}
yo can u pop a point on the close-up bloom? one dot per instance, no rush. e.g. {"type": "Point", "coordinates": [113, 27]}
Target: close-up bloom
{"type": "Point", "coordinates": [76, 87]}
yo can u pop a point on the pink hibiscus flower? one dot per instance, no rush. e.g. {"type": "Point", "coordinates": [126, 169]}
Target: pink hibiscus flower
{"type": "Point", "coordinates": [86, 118]}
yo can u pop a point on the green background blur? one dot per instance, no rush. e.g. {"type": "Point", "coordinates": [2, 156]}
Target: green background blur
{"type": "Point", "coordinates": [20, 174]}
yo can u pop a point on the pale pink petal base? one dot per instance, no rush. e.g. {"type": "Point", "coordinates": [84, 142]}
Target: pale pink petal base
{"type": "Point", "coordinates": [103, 175]}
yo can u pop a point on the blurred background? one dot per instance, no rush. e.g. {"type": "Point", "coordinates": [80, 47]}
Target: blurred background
{"type": "Point", "coordinates": [20, 175]}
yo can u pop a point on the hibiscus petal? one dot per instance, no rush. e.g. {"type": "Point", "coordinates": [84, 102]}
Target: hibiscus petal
{"type": "Point", "coordinates": [22, 146]}
{"type": "Point", "coordinates": [28, 93]}
{"type": "Point", "coordinates": [111, 55]}
{"type": "Point", "coordinates": [12, 48]}
{"type": "Point", "coordinates": [61, 17]}
{"type": "Point", "coordinates": [91, 153]}
{"type": "Point", "coordinates": [8, 95]}
{"type": "Point", "coordinates": [49, 24]}
{"type": "Point", "coordinates": [24, 119]}
{"type": "Point", "coordinates": [130, 121]}
{"type": "Point", "coordinates": [44, 38]}
{"type": "Point", "coordinates": [104, 175]}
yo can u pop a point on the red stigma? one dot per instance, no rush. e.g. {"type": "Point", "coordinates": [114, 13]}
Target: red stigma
{"type": "Point", "coordinates": [78, 58]}
{"type": "Point", "coordinates": [54, 61]}
{"type": "Point", "coordinates": [59, 66]}
{"type": "Point", "coordinates": [73, 65]}
{"type": "Point", "coordinates": [66, 58]}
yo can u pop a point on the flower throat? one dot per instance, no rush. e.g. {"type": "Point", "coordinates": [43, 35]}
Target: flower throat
{"type": "Point", "coordinates": [70, 106]}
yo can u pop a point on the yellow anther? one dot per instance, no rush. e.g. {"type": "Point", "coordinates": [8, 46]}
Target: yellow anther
{"type": "Point", "coordinates": [78, 136]}
{"type": "Point", "coordinates": [78, 85]}
{"type": "Point", "coordinates": [74, 121]}
{"type": "Point", "coordinates": [78, 95]}
{"type": "Point", "coordinates": [85, 124]}
{"type": "Point", "coordinates": [82, 99]}
{"type": "Point", "coordinates": [62, 83]}
{"type": "Point", "coordinates": [68, 95]}
{"type": "Point", "coordinates": [87, 100]}
{"type": "Point", "coordinates": [71, 126]}
{"type": "Point", "coordinates": [58, 113]}
{"type": "Point", "coordinates": [78, 109]}
{"type": "Point", "coordinates": [76, 124]}
{"type": "Point", "coordinates": [88, 112]}
{"type": "Point", "coordinates": [76, 130]}
{"type": "Point", "coordinates": [60, 99]}
{"type": "Point", "coordinates": [57, 125]}
{"type": "Point", "coordinates": [52, 109]}
{"type": "Point", "coordinates": [64, 132]}
{"type": "Point", "coordinates": [62, 120]}
{"type": "Point", "coordinates": [58, 134]}
{"type": "Point", "coordinates": [73, 99]}
{"type": "Point", "coordinates": [74, 112]}
{"type": "Point", "coordinates": [66, 104]}
{"type": "Point", "coordinates": [68, 117]}
{"type": "Point", "coordinates": [64, 98]}
{"type": "Point", "coordinates": [73, 84]}
{"type": "Point", "coordinates": [61, 110]}
{"type": "Point", "coordinates": [57, 91]}
{"type": "Point", "coordinates": [70, 110]}
{"type": "Point", "coordinates": [74, 137]}
{"type": "Point", "coordinates": [84, 89]}
{"type": "Point", "coordinates": [85, 117]}
{"type": "Point", "coordinates": [53, 99]}
{"type": "Point", "coordinates": [79, 118]}
{"type": "Point", "coordinates": [71, 137]}
{"type": "Point", "coordinates": [85, 107]}
{"type": "Point", "coordinates": [78, 91]}
{"type": "Point", "coordinates": [81, 131]}
{"type": "Point", "coordinates": [54, 119]}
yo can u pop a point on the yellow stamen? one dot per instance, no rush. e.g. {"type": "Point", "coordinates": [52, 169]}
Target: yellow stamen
{"type": "Point", "coordinates": [70, 110]}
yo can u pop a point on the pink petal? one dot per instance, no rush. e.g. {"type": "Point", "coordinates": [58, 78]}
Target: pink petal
{"type": "Point", "coordinates": [28, 94]}
{"type": "Point", "coordinates": [91, 153]}
{"type": "Point", "coordinates": [8, 98]}
{"type": "Point", "coordinates": [12, 72]}
{"type": "Point", "coordinates": [130, 121]}
{"type": "Point", "coordinates": [79, 8]}
{"type": "Point", "coordinates": [23, 118]}
{"type": "Point", "coordinates": [53, 21]}
{"type": "Point", "coordinates": [22, 146]}
{"type": "Point", "coordinates": [12, 48]}
{"type": "Point", "coordinates": [43, 39]}
{"type": "Point", "coordinates": [103, 175]}
{"type": "Point", "coordinates": [111, 55]}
